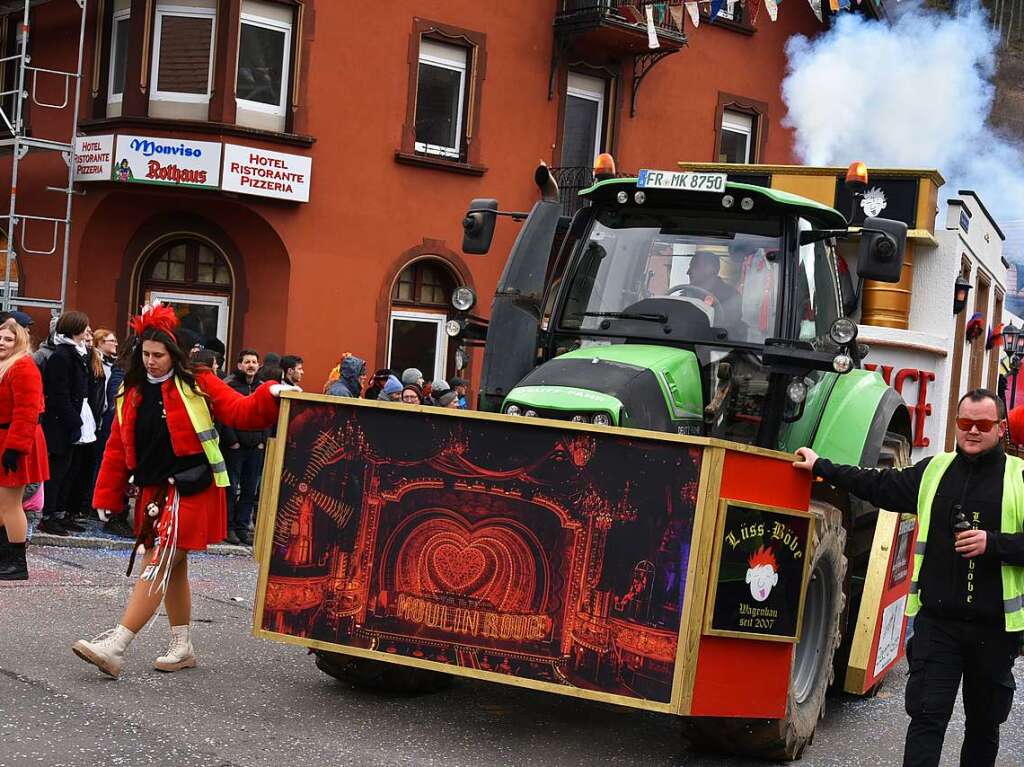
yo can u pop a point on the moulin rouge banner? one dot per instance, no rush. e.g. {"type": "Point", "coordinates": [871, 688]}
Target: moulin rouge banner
{"type": "Point", "coordinates": [484, 544]}
{"type": "Point", "coordinates": [166, 161]}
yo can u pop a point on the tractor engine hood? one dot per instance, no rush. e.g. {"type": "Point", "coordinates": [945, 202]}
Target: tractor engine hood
{"type": "Point", "coordinates": [639, 386]}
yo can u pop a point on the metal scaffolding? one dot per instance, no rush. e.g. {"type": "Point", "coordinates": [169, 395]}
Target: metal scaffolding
{"type": "Point", "coordinates": [14, 136]}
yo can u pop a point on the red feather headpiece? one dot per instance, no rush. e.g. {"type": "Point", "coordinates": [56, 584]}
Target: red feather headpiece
{"type": "Point", "coordinates": [157, 316]}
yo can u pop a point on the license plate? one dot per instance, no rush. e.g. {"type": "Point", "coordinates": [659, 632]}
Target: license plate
{"type": "Point", "coordinates": [682, 180]}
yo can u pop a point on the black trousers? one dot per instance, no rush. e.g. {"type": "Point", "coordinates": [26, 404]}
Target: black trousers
{"type": "Point", "coordinates": [940, 653]}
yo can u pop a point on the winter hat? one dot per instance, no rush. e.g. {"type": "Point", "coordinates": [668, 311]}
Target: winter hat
{"type": "Point", "coordinates": [392, 385]}
{"type": "Point", "coordinates": [439, 387]}
{"type": "Point", "coordinates": [457, 382]}
{"type": "Point", "coordinates": [411, 376]}
{"type": "Point", "coordinates": [413, 388]}
{"type": "Point", "coordinates": [446, 399]}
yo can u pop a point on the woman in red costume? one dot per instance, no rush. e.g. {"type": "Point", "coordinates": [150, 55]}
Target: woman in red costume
{"type": "Point", "coordinates": [22, 447]}
{"type": "Point", "coordinates": [163, 435]}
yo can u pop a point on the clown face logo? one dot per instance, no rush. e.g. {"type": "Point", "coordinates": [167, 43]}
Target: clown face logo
{"type": "Point", "coordinates": [763, 573]}
{"type": "Point", "coordinates": [873, 201]}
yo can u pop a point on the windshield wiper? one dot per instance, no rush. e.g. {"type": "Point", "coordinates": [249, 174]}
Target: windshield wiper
{"type": "Point", "coordinates": [645, 316]}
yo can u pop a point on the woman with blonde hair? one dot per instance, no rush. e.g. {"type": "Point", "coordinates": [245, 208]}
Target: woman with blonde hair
{"type": "Point", "coordinates": [22, 447]}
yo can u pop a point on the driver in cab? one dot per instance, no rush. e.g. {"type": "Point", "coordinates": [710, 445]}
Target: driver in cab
{"type": "Point", "coordinates": [704, 274]}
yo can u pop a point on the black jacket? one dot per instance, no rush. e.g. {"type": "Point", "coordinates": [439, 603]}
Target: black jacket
{"type": "Point", "coordinates": [244, 439]}
{"type": "Point", "coordinates": [66, 385]}
{"type": "Point", "coordinates": [975, 485]}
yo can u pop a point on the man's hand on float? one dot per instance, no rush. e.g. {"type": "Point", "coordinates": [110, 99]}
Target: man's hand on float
{"type": "Point", "coordinates": [10, 460]}
{"type": "Point", "coordinates": [971, 543]}
{"type": "Point", "coordinates": [104, 514]}
{"type": "Point", "coordinates": [276, 389]}
{"type": "Point", "coordinates": [807, 459]}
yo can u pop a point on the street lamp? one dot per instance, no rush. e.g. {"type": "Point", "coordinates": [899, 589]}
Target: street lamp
{"type": "Point", "coordinates": [960, 290]}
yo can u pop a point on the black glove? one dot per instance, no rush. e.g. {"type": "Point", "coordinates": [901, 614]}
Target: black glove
{"type": "Point", "coordinates": [10, 460]}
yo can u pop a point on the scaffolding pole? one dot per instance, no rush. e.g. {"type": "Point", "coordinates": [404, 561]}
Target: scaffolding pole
{"type": "Point", "coordinates": [17, 219]}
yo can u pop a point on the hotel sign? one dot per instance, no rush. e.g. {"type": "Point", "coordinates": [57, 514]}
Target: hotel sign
{"type": "Point", "coordinates": [250, 170]}
{"type": "Point", "coordinates": [93, 157]}
{"type": "Point", "coordinates": [167, 162]}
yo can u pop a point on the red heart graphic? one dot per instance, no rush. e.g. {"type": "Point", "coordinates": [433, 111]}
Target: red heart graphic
{"type": "Point", "coordinates": [459, 568]}
{"type": "Point", "coordinates": [490, 562]}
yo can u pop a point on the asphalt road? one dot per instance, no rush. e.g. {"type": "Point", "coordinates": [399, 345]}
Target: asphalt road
{"type": "Point", "coordinates": [253, 702]}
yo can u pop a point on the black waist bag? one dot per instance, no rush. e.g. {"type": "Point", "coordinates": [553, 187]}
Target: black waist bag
{"type": "Point", "coordinates": [193, 480]}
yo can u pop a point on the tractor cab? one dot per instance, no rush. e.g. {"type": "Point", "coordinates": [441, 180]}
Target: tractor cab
{"type": "Point", "coordinates": [683, 302]}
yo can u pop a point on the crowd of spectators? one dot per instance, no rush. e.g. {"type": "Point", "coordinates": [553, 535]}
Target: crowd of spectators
{"type": "Point", "coordinates": [82, 375]}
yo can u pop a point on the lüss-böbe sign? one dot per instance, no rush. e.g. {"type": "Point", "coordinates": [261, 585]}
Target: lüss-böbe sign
{"type": "Point", "coordinates": [758, 581]}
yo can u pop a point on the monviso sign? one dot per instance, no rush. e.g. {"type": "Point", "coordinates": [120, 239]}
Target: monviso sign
{"type": "Point", "coordinates": [758, 577]}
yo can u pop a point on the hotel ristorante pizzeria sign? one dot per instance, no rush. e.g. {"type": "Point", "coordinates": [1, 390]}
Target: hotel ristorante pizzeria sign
{"type": "Point", "coordinates": [195, 164]}
{"type": "Point", "coordinates": [758, 578]}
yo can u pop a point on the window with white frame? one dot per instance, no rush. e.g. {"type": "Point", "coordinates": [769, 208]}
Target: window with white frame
{"type": "Point", "coordinates": [182, 53]}
{"type": "Point", "coordinates": [440, 98]}
{"type": "Point", "coordinates": [736, 142]}
{"type": "Point", "coordinates": [583, 125]}
{"type": "Point", "coordinates": [264, 54]}
{"type": "Point", "coordinates": [118, 53]}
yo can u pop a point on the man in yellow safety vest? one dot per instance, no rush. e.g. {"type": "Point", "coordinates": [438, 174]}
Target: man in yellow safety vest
{"type": "Point", "coordinates": [968, 578]}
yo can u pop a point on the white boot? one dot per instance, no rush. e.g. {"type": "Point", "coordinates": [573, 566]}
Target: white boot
{"type": "Point", "coordinates": [106, 651]}
{"type": "Point", "coordinates": [180, 653]}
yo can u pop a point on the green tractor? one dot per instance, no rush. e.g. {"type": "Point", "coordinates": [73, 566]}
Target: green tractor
{"type": "Point", "coordinates": [681, 302]}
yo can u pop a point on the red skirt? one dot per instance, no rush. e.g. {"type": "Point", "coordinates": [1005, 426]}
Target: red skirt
{"type": "Point", "coordinates": [32, 467]}
{"type": "Point", "coordinates": [202, 518]}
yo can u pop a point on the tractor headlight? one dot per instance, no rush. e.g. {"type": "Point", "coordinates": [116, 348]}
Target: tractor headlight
{"type": "Point", "coordinates": [843, 331]}
{"type": "Point", "coordinates": [513, 410]}
{"type": "Point", "coordinates": [453, 328]}
{"type": "Point", "coordinates": [796, 391]}
{"type": "Point", "coordinates": [843, 363]}
{"type": "Point", "coordinates": [602, 419]}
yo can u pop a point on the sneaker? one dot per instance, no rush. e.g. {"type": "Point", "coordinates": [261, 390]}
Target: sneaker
{"type": "Point", "coordinates": [180, 653]}
{"type": "Point", "coordinates": [118, 525]}
{"type": "Point", "coordinates": [52, 526]}
{"type": "Point", "coordinates": [232, 538]}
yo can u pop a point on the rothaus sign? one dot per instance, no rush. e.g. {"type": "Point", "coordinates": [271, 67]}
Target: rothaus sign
{"type": "Point", "coordinates": [167, 162]}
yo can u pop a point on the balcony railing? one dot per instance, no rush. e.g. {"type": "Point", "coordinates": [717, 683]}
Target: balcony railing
{"type": "Point", "coordinates": [626, 13]}
{"type": "Point", "coordinates": [570, 182]}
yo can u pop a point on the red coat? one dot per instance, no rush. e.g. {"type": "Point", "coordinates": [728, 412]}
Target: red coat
{"type": "Point", "coordinates": [21, 402]}
{"type": "Point", "coordinates": [202, 517]}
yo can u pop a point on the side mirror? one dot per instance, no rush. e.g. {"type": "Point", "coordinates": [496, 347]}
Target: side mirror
{"type": "Point", "coordinates": [882, 244]}
{"type": "Point", "coordinates": [478, 226]}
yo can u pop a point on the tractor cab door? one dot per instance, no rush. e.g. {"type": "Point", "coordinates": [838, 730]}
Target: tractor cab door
{"type": "Point", "coordinates": [739, 380]}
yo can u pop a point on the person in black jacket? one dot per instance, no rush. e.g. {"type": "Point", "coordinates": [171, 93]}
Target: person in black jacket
{"type": "Point", "coordinates": [69, 420]}
{"type": "Point", "coordinates": [106, 344]}
{"type": "Point", "coordinates": [961, 629]}
{"type": "Point", "coordinates": [243, 454]}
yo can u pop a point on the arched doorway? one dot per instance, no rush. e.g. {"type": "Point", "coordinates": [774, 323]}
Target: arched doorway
{"type": "Point", "coordinates": [420, 306]}
{"type": "Point", "coordinates": [193, 276]}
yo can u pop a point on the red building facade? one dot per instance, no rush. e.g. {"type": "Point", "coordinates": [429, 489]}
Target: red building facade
{"type": "Point", "coordinates": [388, 118]}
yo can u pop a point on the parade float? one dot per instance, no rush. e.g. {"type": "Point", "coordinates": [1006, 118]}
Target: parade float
{"type": "Point", "coordinates": [624, 524]}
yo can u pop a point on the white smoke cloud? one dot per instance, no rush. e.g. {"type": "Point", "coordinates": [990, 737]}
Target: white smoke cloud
{"type": "Point", "coordinates": [916, 92]}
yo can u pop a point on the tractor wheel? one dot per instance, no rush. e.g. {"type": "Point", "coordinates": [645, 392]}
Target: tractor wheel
{"type": "Point", "coordinates": [784, 739]}
{"type": "Point", "coordinates": [383, 677]}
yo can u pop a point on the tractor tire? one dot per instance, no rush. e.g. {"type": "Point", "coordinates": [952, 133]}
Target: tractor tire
{"type": "Point", "coordinates": [785, 739]}
{"type": "Point", "coordinates": [379, 676]}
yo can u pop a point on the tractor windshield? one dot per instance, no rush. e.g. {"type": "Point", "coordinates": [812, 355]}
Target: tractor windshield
{"type": "Point", "coordinates": [715, 274]}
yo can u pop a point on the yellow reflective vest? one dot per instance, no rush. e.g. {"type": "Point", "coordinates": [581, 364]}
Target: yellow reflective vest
{"type": "Point", "coordinates": [1012, 521]}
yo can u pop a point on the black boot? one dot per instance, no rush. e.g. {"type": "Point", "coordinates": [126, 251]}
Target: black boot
{"type": "Point", "coordinates": [3, 544]}
{"type": "Point", "coordinates": [14, 567]}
